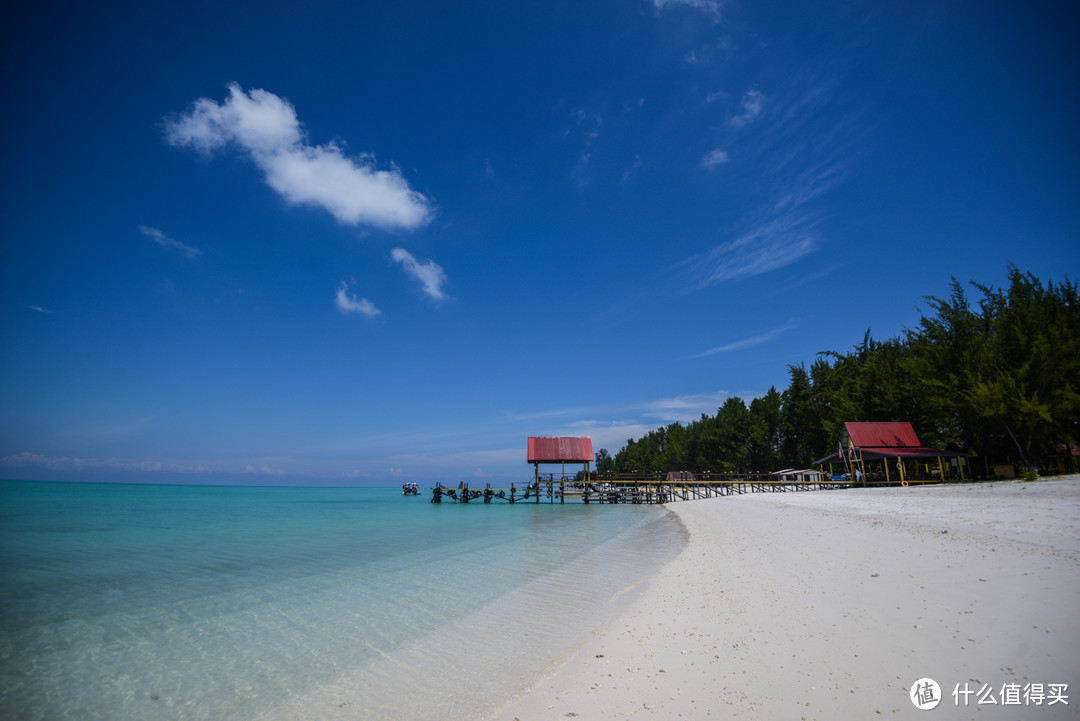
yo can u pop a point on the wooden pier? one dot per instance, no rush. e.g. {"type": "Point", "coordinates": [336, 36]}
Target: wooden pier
{"type": "Point", "coordinates": [634, 488]}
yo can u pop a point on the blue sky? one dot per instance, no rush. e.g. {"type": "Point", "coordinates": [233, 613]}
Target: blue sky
{"type": "Point", "coordinates": [364, 243]}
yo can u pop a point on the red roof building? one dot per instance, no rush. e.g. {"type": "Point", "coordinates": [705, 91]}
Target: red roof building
{"type": "Point", "coordinates": [559, 449]}
{"type": "Point", "coordinates": [883, 443]}
{"type": "Point", "coordinates": [887, 440]}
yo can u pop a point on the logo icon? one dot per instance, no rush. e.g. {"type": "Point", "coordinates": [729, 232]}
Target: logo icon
{"type": "Point", "coordinates": [925, 694]}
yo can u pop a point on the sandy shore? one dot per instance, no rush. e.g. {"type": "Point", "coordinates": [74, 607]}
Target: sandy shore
{"type": "Point", "coordinates": [831, 604]}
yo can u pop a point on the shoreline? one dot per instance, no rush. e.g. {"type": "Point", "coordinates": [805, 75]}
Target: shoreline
{"type": "Point", "coordinates": [831, 604]}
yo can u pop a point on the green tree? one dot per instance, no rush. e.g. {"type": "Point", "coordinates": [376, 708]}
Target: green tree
{"type": "Point", "coordinates": [1027, 378]}
{"type": "Point", "coordinates": [673, 454]}
{"type": "Point", "coordinates": [1008, 369]}
{"type": "Point", "coordinates": [604, 462]}
{"type": "Point", "coordinates": [764, 437]}
{"type": "Point", "coordinates": [798, 427]}
{"type": "Point", "coordinates": [732, 436]}
{"type": "Point", "coordinates": [943, 350]}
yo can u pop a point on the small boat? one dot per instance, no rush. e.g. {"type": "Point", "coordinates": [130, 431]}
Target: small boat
{"type": "Point", "coordinates": [410, 489]}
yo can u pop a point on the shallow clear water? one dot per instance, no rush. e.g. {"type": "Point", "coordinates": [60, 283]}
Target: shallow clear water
{"type": "Point", "coordinates": [178, 602]}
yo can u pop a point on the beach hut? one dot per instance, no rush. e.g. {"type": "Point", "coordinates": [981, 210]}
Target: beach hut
{"type": "Point", "coordinates": [561, 450]}
{"type": "Point", "coordinates": [890, 452]}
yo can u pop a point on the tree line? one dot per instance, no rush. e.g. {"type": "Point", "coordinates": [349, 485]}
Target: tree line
{"type": "Point", "coordinates": [1000, 375]}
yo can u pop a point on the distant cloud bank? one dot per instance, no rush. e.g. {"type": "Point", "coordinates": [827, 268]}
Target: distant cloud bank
{"type": "Point", "coordinates": [266, 127]}
{"type": "Point", "coordinates": [64, 463]}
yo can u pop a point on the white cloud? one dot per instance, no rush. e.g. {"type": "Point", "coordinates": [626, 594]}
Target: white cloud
{"type": "Point", "coordinates": [166, 242]}
{"type": "Point", "coordinates": [752, 104]}
{"type": "Point", "coordinates": [713, 158]}
{"type": "Point", "coordinates": [266, 127]}
{"type": "Point", "coordinates": [349, 304]}
{"type": "Point", "coordinates": [39, 309]}
{"type": "Point", "coordinates": [429, 273]}
{"type": "Point", "coordinates": [712, 7]}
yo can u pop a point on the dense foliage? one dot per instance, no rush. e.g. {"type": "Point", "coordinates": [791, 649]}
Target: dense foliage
{"type": "Point", "coordinates": [1002, 377]}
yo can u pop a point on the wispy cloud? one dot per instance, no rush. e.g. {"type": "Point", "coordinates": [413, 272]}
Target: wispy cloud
{"type": "Point", "coordinates": [580, 172]}
{"type": "Point", "coordinates": [636, 421]}
{"type": "Point", "coordinates": [710, 7]}
{"type": "Point", "coordinates": [589, 124]}
{"type": "Point", "coordinates": [769, 245]}
{"type": "Point", "coordinates": [586, 128]}
{"type": "Point", "coordinates": [632, 418]}
{"type": "Point", "coordinates": [611, 435]}
{"type": "Point", "coordinates": [39, 309]}
{"type": "Point", "coordinates": [265, 126]}
{"type": "Point", "coordinates": [264, 470]}
{"type": "Point", "coordinates": [166, 242]}
{"type": "Point", "coordinates": [349, 304]}
{"type": "Point", "coordinates": [747, 342]}
{"type": "Point", "coordinates": [478, 463]}
{"type": "Point", "coordinates": [714, 158]}
{"type": "Point", "coordinates": [668, 408]}
{"type": "Point", "coordinates": [430, 274]}
{"type": "Point", "coordinates": [66, 463]}
{"type": "Point", "coordinates": [687, 407]}
{"type": "Point", "coordinates": [750, 108]}
{"type": "Point", "coordinates": [803, 157]}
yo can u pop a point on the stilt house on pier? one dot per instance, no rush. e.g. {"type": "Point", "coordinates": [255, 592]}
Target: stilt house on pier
{"type": "Point", "coordinates": [561, 450]}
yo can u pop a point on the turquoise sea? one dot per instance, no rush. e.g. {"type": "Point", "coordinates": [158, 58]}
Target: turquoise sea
{"type": "Point", "coordinates": [150, 602]}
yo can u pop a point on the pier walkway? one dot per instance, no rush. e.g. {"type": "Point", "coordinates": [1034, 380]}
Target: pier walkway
{"type": "Point", "coordinates": [635, 488]}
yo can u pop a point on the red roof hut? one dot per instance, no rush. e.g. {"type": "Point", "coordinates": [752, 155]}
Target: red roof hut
{"type": "Point", "coordinates": [560, 449]}
{"type": "Point", "coordinates": [885, 441]}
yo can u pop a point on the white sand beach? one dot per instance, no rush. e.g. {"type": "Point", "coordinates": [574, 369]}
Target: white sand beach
{"type": "Point", "coordinates": [832, 604]}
